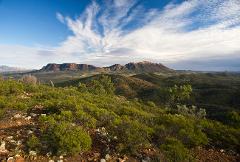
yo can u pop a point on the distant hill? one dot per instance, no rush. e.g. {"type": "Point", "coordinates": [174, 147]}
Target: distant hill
{"type": "Point", "coordinates": [4, 69]}
{"type": "Point", "coordinates": [127, 86]}
{"type": "Point", "coordinates": [140, 67]}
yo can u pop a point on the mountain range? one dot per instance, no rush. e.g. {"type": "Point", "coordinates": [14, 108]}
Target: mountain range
{"type": "Point", "coordinates": [139, 67]}
{"type": "Point", "coordinates": [4, 69]}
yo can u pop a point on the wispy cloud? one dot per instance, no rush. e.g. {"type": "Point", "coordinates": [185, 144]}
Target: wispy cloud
{"type": "Point", "coordinates": [119, 31]}
{"type": "Point", "coordinates": [192, 29]}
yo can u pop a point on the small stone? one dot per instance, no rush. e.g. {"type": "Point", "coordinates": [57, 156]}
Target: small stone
{"type": "Point", "coordinates": [49, 154]}
{"type": "Point", "coordinates": [32, 153]}
{"type": "Point", "coordinates": [10, 159]}
{"type": "Point", "coordinates": [10, 137]}
{"type": "Point", "coordinates": [28, 118]}
{"type": "Point", "coordinates": [3, 144]}
{"type": "Point", "coordinates": [30, 132]}
{"type": "Point", "coordinates": [19, 142]}
{"type": "Point", "coordinates": [102, 160]}
{"type": "Point", "coordinates": [51, 161]}
{"type": "Point", "coordinates": [60, 160]}
{"type": "Point", "coordinates": [3, 150]}
{"type": "Point", "coordinates": [43, 114]}
{"type": "Point", "coordinates": [61, 157]}
{"type": "Point", "coordinates": [13, 141]}
{"type": "Point", "coordinates": [17, 116]}
{"type": "Point", "coordinates": [33, 115]}
{"type": "Point", "coordinates": [107, 157]}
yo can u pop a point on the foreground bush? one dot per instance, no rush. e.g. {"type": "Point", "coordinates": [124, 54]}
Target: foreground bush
{"type": "Point", "coordinates": [64, 137]}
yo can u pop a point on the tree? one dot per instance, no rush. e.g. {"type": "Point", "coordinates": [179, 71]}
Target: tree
{"type": "Point", "coordinates": [101, 86]}
{"type": "Point", "coordinates": [181, 93]}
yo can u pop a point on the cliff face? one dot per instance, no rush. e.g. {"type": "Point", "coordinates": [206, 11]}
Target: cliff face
{"type": "Point", "coordinates": [69, 67]}
{"type": "Point", "coordinates": [140, 67]}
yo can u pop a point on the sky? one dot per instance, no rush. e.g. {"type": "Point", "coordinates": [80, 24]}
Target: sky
{"type": "Point", "coordinates": [182, 34]}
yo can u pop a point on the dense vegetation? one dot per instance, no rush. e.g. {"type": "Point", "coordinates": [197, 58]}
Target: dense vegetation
{"type": "Point", "coordinates": [217, 93]}
{"type": "Point", "coordinates": [72, 117]}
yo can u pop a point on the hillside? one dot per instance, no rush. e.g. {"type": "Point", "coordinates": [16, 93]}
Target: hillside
{"type": "Point", "coordinates": [218, 93]}
{"type": "Point", "coordinates": [90, 123]}
{"type": "Point", "coordinates": [126, 86]}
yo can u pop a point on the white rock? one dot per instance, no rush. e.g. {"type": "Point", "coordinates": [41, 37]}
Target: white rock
{"type": "Point", "coordinates": [10, 159]}
{"type": "Point", "coordinates": [17, 116]}
{"type": "Point", "coordinates": [60, 160]}
{"type": "Point", "coordinates": [10, 137]}
{"type": "Point", "coordinates": [107, 157]}
{"type": "Point", "coordinates": [17, 155]}
{"type": "Point", "coordinates": [2, 146]}
{"type": "Point", "coordinates": [43, 114]}
{"type": "Point", "coordinates": [30, 132]}
{"type": "Point", "coordinates": [61, 157]}
{"type": "Point", "coordinates": [28, 118]}
{"type": "Point", "coordinates": [19, 142]}
{"type": "Point", "coordinates": [49, 154]}
{"type": "Point", "coordinates": [13, 141]}
{"type": "Point", "coordinates": [32, 153]}
{"type": "Point", "coordinates": [102, 160]}
{"type": "Point", "coordinates": [33, 114]}
{"type": "Point", "coordinates": [51, 161]}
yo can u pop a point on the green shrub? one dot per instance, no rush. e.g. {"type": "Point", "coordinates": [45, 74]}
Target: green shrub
{"type": "Point", "coordinates": [85, 119]}
{"type": "Point", "coordinates": [222, 136]}
{"type": "Point", "coordinates": [175, 151]}
{"type": "Point", "coordinates": [131, 136]}
{"type": "Point", "coordinates": [33, 143]}
{"type": "Point", "coordinates": [102, 86]}
{"type": "Point", "coordinates": [64, 138]}
{"type": "Point", "coordinates": [187, 130]}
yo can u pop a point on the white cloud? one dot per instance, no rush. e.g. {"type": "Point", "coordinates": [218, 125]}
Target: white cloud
{"type": "Point", "coordinates": [121, 31]}
{"type": "Point", "coordinates": [166, 37]}
{"type": "Point", "coordinates": [60, 17]}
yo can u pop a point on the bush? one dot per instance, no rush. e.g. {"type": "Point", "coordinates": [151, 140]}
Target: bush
{"type": "Point", "coordinates": [33, 143]}
{"type": "Point", "coordinates": [102, 86]}
{"type": "Point", "coordinates": [63, 137]}
{"type": "Point", "coordinates": [179, 94]}
{"type": "Point", "coordinates": [222, 136]}
{"type": "Point", "coordinates": [188, 131]}
{"type": "Point", "coordinates": [175, 151]}
{"type": "Point", "coordinates": [85, 119]}
{"type": "Point", "coordinates": [131, 136]}
{"type": "Point", "coordinates": [29, 79]}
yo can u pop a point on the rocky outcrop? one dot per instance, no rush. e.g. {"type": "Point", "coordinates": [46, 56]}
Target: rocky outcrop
{"type": "Point", "coordinates": [140, 67]}
{"type": "Point", "coordinates": [69, 67]}
{"type": "Point", "coordinates": [146, 67]}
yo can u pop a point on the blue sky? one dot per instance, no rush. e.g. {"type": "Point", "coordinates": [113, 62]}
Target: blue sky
{"type": "Point", "coordinates": [194, 34]}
